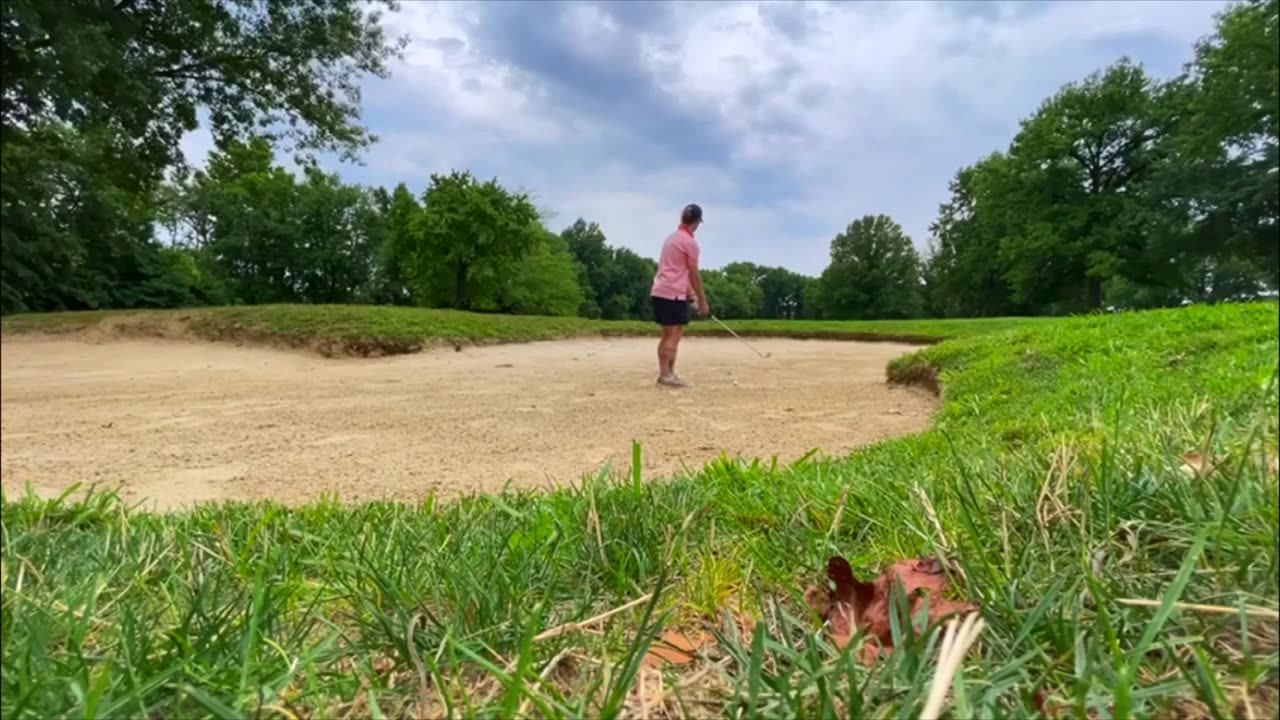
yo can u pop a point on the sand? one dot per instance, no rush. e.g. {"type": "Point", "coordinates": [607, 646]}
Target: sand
{"type": "Point", "coordinates": [172, 423]}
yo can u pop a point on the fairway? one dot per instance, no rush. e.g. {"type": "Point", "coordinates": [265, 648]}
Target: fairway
{"type": "Point", "coordinates": [172, 423]}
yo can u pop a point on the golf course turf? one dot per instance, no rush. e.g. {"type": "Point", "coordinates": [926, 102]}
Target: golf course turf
{"type": "Point", "coordinates": [357, 330]}
{"type": "Point", "coordinates": [1103, 487]}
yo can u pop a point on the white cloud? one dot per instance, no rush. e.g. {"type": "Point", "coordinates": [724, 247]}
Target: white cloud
{"type": "Point", "coordinates": [885, 101]}
{"type": "Point", "coordinates": [827, 110]}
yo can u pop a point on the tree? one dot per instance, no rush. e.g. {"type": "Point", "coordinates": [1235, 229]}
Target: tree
{"type": "Point", "coordinates": [271, 238]}
{"type": "Point", "coordinates": [1219, 196]}
{"type": "Point", "coordinates": [772, 292]}
{"type": "Point", "coordinates": [586, 242]}
{"type": "Point", "coordinates": [628, 284]}
{"type": "Point", "coordinates": [616, 281]}
{"type": "Point", "coordinates": [964, 275]}
{"type": "Point", "coordinates": [782, 294]}
{"type": "Point", "coordinates": [874, 273]}
{"type": "Point", "coordinates": [1081, 161]}
{"type": "Point", "coordinates": [142, 69]}
{"type": "Point", "coordinates": [254, 209]}
{"type": "Point", "coordinates": [75, 232]}
{"type": "Point", "coordinates": [545, 282]}
{"type": "Point", "coordinates": [732, 295]}
{"type": "Point", "coordinates": [340, 235]}
{"type": "Point", "coordinates": [98, 95]}
{"type": "Point", "coordinates": [397, 252]}
{"type": "Point", "coordinates": [468, 238]}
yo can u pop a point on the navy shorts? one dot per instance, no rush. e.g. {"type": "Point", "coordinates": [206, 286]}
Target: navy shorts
{"type": "Point", "coordinates": [668, 312]}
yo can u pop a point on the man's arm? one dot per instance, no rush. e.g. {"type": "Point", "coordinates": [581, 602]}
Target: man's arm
{"type": "Point", "coordinates": [695, 279]}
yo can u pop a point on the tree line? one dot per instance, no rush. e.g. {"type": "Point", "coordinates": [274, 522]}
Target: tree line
{"type": "Point", "coordinates": [245, 230]}
{"type": "Point", "coordinates": [1118, 191]}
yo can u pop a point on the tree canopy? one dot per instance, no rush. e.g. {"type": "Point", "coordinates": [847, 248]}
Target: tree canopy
{"type": "Point", "coordinates": [874, 273]}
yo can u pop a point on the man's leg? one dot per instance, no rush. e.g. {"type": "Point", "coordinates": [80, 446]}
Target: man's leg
{"type": "Point", "coordinates": [677, 332]}
{"type": "Point", "coordinates": [667, 350]}
{"type": "Point", "coordinates": [662, 353]}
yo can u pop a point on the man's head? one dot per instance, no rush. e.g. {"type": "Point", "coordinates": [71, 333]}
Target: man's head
{"type": "Point", "coordinates": [691, 215]}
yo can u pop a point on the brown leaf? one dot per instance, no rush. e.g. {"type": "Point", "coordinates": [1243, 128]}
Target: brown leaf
{"type": "Point", "coordinates": [844, 623]}
{"type": "Point", "coordinates": [926, 573]}
{"type": "Point", "coordinates": [675, 648]}
{"type": "Point", "coordinates": [1195, 463]}
{"type": "Point", "coordinates": [849, 589]}
{"type": "Point", "coordinates": [818, 600]}
{"type": "Point", "coordinates": [1043, 704]}
{"type": "Point", "coordinates": [851, 604]}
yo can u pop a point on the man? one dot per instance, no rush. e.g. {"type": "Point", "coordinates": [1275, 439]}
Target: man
{"type": "Point", "coordinates": [677, 275]}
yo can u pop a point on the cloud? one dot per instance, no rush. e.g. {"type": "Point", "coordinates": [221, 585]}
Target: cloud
{"type": "Point", "coordinates": [785, 120]}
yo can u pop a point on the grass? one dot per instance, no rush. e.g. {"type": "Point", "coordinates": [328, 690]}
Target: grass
{"type": "Point", "coordinates": [1053, 478]}
{"type": "Point", "coordinates": [380, 330]}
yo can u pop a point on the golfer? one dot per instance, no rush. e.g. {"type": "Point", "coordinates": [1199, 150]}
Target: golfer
{"type": "Point", "coordinates": [677, 275]}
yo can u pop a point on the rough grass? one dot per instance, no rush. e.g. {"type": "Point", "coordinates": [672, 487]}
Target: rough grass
{"type": "Point", "coordinates": [379, 330]}
{"type": "Point", "coordinates": [1054, 479]}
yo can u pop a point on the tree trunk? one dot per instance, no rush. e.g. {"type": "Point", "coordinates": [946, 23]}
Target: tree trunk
{"type": "Point", "coordinates": [1093, 293]}
{"type": "Point", "coordinates": [460, 292]}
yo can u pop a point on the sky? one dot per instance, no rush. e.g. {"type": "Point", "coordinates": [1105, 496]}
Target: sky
{"type": "Point", "coordinates": [786, 121]}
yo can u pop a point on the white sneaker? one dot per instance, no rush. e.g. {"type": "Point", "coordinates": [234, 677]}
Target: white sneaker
{"type": "Point", "coordinates": [673, 380]}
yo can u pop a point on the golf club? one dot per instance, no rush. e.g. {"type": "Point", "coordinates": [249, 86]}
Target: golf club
{"type": "Point", "coordinates": [744, 342]}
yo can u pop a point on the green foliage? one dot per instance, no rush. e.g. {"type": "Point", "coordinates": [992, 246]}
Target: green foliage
{"type": "Point", "coordinates": [1080, 161]}
{"type": "Point", "coordinates": [874, 273]}
{"type": "Point", "coordinates": [271, 238]}
{"type": "Point", "coordinates": [143, 69]}
{"type": "Point", "coordinates": [732, 295]}
{"type": "Point", "coordinates": [1125, 192]}
{"type": "Point", "coordinates": [617, 281]}
{"type": "Point", "coordinates": [468, 240]}
{"type": "Point", "coordinates": [1220, 198]}
{"type": "Point", "coordinates": [545, 283]}
{"type": "Point", "coordinates": [962, 275]}
{"type": "Point", "coordinates": [1053, 483]}
{"type": "Point", "coordinates": [783, 294]}
{"type": "Point", "coordinates": [97, 97]}
{"type": "Point", "coordinates": [398, 248]}
{"type": "Point", "coordinates": [75, 223]}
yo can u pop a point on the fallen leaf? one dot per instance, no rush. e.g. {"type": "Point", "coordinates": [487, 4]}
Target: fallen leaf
{"type": "Point", "coordinates": [818, 600]}
{"type": "Point", "coordinates": [1194, 462]}
{"type": "Point", "coordinates": [1043, 703]}
{"type": "Point", "coordinates": [675, 648]}
{"type": "Point", "coordinates": [852, 604]}
{"type": "Point", "coordinates": [926, 573]}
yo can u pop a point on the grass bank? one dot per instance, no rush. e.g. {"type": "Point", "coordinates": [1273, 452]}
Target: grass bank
{"type": "Point", "coordinates": [1077, 470]}
{"type": "Point", "coordinates": [356, 330]}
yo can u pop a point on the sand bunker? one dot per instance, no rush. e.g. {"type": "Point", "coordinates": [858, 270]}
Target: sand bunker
{"type": "Point", "coordinates": [172, 423]}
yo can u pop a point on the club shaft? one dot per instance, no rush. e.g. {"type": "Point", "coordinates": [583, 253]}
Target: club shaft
{"type": "Point", "coordinates": [731, 332]}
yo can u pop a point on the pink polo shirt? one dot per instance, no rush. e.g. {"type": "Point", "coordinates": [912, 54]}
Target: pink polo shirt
{"type": "Point", "coordinates": [679, 254]}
